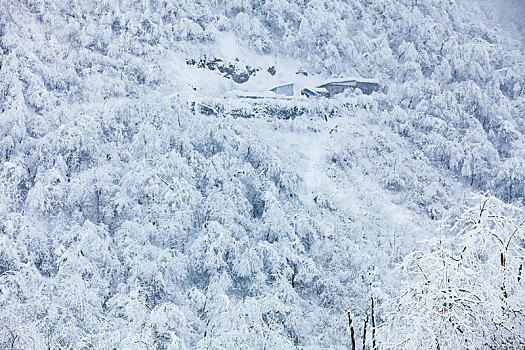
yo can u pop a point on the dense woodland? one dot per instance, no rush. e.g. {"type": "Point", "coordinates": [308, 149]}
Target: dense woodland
{"type": "Point", "coordinates": [129, 222]}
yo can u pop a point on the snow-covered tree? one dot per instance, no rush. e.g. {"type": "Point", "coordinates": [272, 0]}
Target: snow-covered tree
{"type": "Point", "coordinates": [467, 289]}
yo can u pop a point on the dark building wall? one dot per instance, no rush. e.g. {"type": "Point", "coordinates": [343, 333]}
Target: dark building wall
{"type": "Point", "coordinates": [366, 87]}
{"type": "Point", "coordinates": [336, 89]}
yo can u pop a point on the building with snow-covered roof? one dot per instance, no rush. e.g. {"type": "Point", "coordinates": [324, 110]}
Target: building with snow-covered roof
{"type": "Point", "coordinates": [336, 86]}
{"type": "Point", "coordinates": [285, 89]}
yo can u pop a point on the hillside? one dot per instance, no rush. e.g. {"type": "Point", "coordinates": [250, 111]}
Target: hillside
{"type": "Point", "coordinates": [147, 204]}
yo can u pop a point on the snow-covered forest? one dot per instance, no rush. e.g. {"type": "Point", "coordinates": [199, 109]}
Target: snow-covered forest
{"type": "Point", "coordinates": [129, 219]}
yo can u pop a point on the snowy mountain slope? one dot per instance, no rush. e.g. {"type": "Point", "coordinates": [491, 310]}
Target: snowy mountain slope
{"type": "Point", "coordinates": [128, 221]}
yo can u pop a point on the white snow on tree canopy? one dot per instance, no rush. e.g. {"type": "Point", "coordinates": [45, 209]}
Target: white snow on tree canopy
{"type": "Point", "coordinates": [146, 203]}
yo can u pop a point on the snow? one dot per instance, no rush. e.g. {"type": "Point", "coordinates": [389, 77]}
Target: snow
{"type": "Point", "coordinates": [130, 217]}
{"type": "Point", "coordinates": [321, 90]}
{"type": "Point", "coordinates": [262, 95]}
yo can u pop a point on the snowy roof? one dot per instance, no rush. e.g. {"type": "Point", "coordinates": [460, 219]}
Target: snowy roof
{"type": "Point", "coordinates": [349, 80]}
